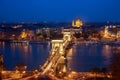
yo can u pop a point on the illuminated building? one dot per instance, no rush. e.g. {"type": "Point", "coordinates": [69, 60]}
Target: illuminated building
{"type": "Point", "coordinates": [18, 26]}
{"type": "Point", "coordinates": [111, 32]}
{"type": "Point", "coordinates": [30, 34]}
{"type": "Point", "coordinates": [106, 32]}
{"type": "Point", "coordinates": [118, 34]}
{"type": "Point", "coordinates": [23, 34]}
{"type": "Point", "coordinates": [43, 31]}
{"type": "Point", "coordinates": [77, 26]}
{"type": "Point", "coordinates": [77, 23]}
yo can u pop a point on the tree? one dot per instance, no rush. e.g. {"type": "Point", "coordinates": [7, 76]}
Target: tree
{"type": "Point", "coordinates": [77, 35]}
{"type": "Point", "coordinates": [104, 70]}
{"type": "Point", "coordinates": [45, 36]}
{"type": "Point", "coordinates": [21, 68]}
{"type": "Point", "coordinates": [1, 65]}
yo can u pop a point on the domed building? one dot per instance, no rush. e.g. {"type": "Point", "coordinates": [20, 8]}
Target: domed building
{"type": "Point", "coordinates": [77, 23]}
{"type": "Point", "coordinates": [76, 29]}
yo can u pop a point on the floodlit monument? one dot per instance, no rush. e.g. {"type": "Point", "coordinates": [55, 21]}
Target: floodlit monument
{"type": "Point", "coordinates": [77, 23]}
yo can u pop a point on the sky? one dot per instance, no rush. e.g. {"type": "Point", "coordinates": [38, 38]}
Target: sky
{"type": "Point", "coordinates": [59, 10]}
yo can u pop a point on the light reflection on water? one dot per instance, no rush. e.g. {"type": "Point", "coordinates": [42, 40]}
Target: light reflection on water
{"type": "Point", "coordinates": [32, 55]}
{"type": "Point", "coordinates": [106, 53]}
{"type": "Point", "coordinates": [88, 56]}
{"type": "Point", "coordinates": [81, 57]}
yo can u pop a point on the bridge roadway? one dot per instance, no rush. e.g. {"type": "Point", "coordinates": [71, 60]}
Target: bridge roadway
{"type": "Point", "coordinates": [53, 60]}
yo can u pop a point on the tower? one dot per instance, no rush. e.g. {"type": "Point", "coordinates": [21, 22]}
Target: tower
{"type": "Point", "coordinates": [73, 23]}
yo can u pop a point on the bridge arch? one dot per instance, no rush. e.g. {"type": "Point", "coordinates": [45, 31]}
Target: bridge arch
{"type": "Point", "coordinates": [67, 36]}
{"type": "Point", "coordinates": [57, 45]}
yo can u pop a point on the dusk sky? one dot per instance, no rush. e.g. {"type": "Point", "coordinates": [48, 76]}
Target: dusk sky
{"type": "Point", "coordinates": [59, 10]}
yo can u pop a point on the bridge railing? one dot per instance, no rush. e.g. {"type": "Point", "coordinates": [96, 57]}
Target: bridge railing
{"type": "Point", "coordinates": [51, 62]}
{"type": "Point", "coordinates": [52, 55]}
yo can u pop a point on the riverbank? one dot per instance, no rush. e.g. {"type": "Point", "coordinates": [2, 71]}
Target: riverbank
{"type": "Point", "coordinates": [69, 75]}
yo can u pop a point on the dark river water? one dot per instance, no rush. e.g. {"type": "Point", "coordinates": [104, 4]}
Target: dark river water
{"type": "Point", "coordinates": [81, 57]}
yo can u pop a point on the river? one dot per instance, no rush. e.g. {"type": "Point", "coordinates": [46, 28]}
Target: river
{"type": "Point", "coordinates": [81, 57]}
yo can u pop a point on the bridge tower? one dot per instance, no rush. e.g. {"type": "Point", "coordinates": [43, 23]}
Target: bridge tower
{"type": "Point", "coordinates": [67, 36]}
{"type": "Point", "coordinates": [57, 45]}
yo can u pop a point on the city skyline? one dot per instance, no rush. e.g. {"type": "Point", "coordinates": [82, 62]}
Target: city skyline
{"type": "Point", "coordinates": [59, 11]}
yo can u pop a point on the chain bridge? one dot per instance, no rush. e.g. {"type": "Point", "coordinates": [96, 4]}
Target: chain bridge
{"type": "Point", "coordinates": [56, 63]}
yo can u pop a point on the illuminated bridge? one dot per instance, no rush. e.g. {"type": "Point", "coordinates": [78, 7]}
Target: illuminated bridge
{"type": "Point", "coordinates": [56, 63]}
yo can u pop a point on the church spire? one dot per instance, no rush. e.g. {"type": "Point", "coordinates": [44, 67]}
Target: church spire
{"type": "Point", "coordinates": [73, 23]}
